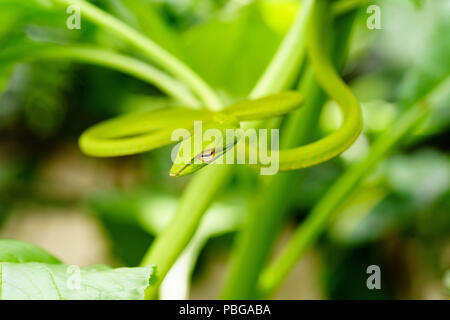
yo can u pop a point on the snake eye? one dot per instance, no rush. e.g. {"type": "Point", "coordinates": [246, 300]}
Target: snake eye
{"type": "Point", "coordinates": [207, 155]}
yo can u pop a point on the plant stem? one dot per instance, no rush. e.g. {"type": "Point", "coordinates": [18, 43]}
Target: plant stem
{"type": "Point", "coordinates": [206, 183]}
{"type": "Point", "coordinates": [265, 217]}
{"type": "Point", "coordinates": [288, 59]}
{"type": "Point", "coordinates": [317, 220]}
{"type": "Point", "coordinates": [169, 245]}
{"type": "Point", "coordinates": [149, 48]}
{"type": "Point", "coordinates": [265, 220]}
{"type": "Point", "coordinates": [125, 64]}
{"type": "Point", "coordinates": [343, 188]}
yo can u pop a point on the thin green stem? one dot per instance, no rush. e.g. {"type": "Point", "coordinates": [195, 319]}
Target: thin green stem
{"type": "Point", "coordinates": [125, 64]}
{"type": "Point", "coordinates": [149, 48]}
{"type": "Point", "coordinates": [308, 232]}
{"type": "Point", "coordinates": [268, 211]}
{"type": "Point", "coordinates": [205, 184]}
{"type": "Point", "coordinates": [287, 61]}
{"type": "Point", "coordinates": [319, 217]}
{"type": "Point", "coordinates": [265, 219]}
{"type": "Point", "coordinates": [279, 71]}
{"type": "Point", "coordinates": [169, 245]}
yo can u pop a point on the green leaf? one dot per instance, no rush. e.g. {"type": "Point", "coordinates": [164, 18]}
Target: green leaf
{"type": "Point", "coordinates": [232, 52]}
{"type": "Point", "coordinates": [125, 216]}
{"type": "Point", "coordinates": [21, 252]}
{"type": "Point", "coordinates": [39, 281]}
{"type": "Point", "coordinates": [29, 272]}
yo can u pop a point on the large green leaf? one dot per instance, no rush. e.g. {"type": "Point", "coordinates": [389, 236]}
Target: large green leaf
{"type": "Point", "coordinates": [29, 272]}
{"type": "Point", "coordinates": [126, 217]}
{"type": "Point", "coordinates": [38, 281]}
{"type": "Point", "coordinates": [21, 252]}
{"type": "Point", "coordinates": [232, 52]}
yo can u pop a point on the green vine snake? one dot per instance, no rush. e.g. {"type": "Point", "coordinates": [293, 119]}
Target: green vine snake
{"type": "Point", "coordinates": [144, 131]}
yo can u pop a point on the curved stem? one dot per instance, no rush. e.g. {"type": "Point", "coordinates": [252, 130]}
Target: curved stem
{"type": "Point", "coordinates": [324, 71]}
{"type": "Point", "coordinates": [124, 64]}
{"type": "Point", "coordinates": [167, 247]}
{"type": "Point", "coordinates": [206, 183]}
{"type": "Point", "coordinates": [318, 218]}
{"type": "Point", "coordinates": [265, 219]}
{"type": "Point", "coordinates": [340, 191]}
{"type": "Point", "coordinates": [343, 188]}
{"type": "Point", "coordinates": [288, 58]}
{"type": "Point", "coordinates": [149, 48]}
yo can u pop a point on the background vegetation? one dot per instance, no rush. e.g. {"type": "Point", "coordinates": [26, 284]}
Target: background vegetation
{"type": "Point", "coordinates": [383, 202]}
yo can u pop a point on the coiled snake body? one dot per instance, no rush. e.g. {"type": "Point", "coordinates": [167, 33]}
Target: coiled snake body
{"type": "Point", "coordinates": [144, 131]}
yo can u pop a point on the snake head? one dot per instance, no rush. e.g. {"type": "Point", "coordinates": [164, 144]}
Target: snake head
{"type": "Point", "coordinates": [193, 154]}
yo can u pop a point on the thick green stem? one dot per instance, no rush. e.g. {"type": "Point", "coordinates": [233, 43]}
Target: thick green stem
{"type": "Point", "coordinates": [319, 217]}
{"type": "Point", "coordinates": [149, 48]}
{"type": "Point", "coordinates": [316, 222]}
{"type": "Point", "coordinates": [255, 240]}
{"type": "Point", "coordinates": [264, 221]}
{"type": "Point", "coordinates": [167, 247]}
{"type": "Point", "coordinates": [288, 59]}
{"type": "Point", "coordinates": [207, 182]}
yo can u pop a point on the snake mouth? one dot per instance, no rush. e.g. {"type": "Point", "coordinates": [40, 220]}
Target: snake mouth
{"type": "Point", "coordinates": [176, 174]}
{"type": "Point", "coordinates": [206, 157]}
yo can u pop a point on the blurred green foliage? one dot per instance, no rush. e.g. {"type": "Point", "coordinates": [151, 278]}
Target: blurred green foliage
{"type": "Point", "coordinates": [45, 105]}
